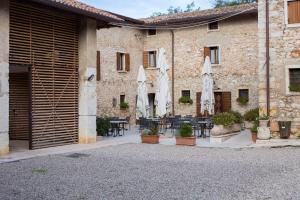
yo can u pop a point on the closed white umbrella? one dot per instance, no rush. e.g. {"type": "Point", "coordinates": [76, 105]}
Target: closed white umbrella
{"type": "Point", "coordinates": [162, 95]}
{"type": "Point", "coordinates": [142, 107]}
{"type": "Point", "coordinates": [207, 96]}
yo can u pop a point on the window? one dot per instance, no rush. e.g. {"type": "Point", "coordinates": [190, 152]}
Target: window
{"type": "Point", "coordinates": [244, 93]}
{"type": "Point", "coordinates": [213, 26]}
{"type": "Point", "coordinates": [123, 62]}
{"type": "Point", "coordinates": [186, 93]}
{"type": "Point", "coordinates": [294, 78]}
{"type": "Point", "coordinates": [214, 53]}
{"type": "Point", "coordinates": [122, 98]}
{"type": "Point", "coordinates": [293, 11]}
{"type": "Point", "coordinates": [151, 32]}
{"type": "Point", "coordinates": [152, 59]}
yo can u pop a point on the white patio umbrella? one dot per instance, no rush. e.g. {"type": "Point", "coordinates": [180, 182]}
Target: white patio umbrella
{"type": "Point", "coordinates": [142, 108]}
{"type": "Point", "coordinates": [162, 95]}
{"type": "Point", "coordinates": [207, 96]}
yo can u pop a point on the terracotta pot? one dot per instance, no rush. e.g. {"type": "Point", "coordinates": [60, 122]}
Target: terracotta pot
{"type": "Point", "coordinates": [254, 137]}
{"type": "Point", "coordinates": [150, 139]}
{"type": "Point", "coordinates": [187, 141]}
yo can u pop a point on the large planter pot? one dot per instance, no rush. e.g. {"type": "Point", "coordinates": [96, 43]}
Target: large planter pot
{"type": "Point", "coordinates": [220, 133]}
{"type": "Point", "coordinates": [263, 123]}
{"type": "Point", "coordinates": [150, 139]}
{"type": "Point", "coordinates": [187, 141]}
{"type": "Point", "coordinates": [248, 124]}
{"type": "Point", "coordinates": [254, 137]}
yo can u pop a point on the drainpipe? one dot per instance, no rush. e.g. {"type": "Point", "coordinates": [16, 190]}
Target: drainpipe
{"type": "Point", "coordinates": [268, 56]}
{"type": "Point", "coordinates": [173, 72]}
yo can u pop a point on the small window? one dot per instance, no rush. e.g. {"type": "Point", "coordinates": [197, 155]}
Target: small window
{"type": "Point", "coordinates": [244, 93]}
{"type": "Point", "coordinates": [152, 59]}
{"type": "Point", "coordinates": [186, 93]}
{"type": "Point", "coordinates": [293, 9]}
{"type": "Point", "coordinates": [152, 32]}
{"type": "Point", "coordinates": [294, 78]}
{"type": "Point", "coordinates": [121, 61]}
{"type": "Point", "coordinates": [213, 26]}
{"type": "Point", "coordinates": [214, 55]}
{"type": "Point", "coordinates": [122, 98]}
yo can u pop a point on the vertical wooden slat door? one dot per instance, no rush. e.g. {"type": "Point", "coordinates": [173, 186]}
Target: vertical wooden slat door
{"type": "Point", "coordinates": [19, 99]}
{"type": "Point", "coordinates": [48, 41]}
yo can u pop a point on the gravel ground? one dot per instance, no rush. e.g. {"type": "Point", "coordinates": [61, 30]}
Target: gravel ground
{"type": "Point", "coordinates": [136, 171]}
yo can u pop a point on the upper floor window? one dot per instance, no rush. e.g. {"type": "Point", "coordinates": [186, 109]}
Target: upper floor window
{"type": "Point", "coordinates": [213, 26]}
{"type": "Point", "coordinates": [151, 32]}
{"type": "Point", "coordinates": [186, 93]}
{"type": "Point", "coordinates": [150, 59]}
{"type": "Point", "coordinates": [293, 12]}
{"type": "Point", "coordinates": [214, 53]}
{"type": "Point", "coordinates": [123, 62]}
{"type": "Point", "coordinates": [294, 79]}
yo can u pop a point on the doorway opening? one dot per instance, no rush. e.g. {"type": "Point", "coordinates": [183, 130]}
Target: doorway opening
{"type": "Point", "coordinates": [19, 107]}
{"type": "Point", "coordinates": [151, 97]}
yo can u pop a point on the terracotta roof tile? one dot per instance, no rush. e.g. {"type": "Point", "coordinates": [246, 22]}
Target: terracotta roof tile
{"type": "Point", "coordinates": [201, 14]}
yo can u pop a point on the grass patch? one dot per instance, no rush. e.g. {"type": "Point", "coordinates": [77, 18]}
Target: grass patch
{"type": "Point", "coordinates": [40, 171]}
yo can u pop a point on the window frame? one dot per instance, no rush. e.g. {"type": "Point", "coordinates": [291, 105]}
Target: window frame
{"type": "Point", "coordinates": [243, 89]}
{"type": "Point", "coordinates": [286, 15]}
{"type": "Point", "coordinates": [121, 98]}
{"type": "Point", "coordinates": [287, 80]}
{"type": "Point", "coordinates": [122, 62]}
{"type": "Point", "coordinates": [188, 91]}
{"type": "Point", "coordinates": [149, 66]}
{"type": "Point", "coordinates": [219, 54]}
{"type": "Point", "coordinates": [211, 30]}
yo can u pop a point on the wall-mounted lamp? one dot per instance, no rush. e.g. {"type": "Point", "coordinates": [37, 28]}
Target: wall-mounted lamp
{"type": "Point", "coordinates": [91, 77]}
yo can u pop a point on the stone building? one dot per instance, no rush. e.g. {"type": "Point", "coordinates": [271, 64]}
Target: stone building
{"type": "Point", "coordinates": [228, 35]}
{"type": "Point", "coordinates": [284, 61]}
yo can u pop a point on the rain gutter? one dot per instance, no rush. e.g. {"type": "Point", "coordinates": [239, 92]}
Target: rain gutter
{"type": "Point", "coordinates": [173, 72]}
{"type": "Point", "coordinates": [268, 56]}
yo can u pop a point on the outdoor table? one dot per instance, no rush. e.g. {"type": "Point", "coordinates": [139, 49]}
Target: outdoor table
{"type": "Point", "coordinates": [116, 125]}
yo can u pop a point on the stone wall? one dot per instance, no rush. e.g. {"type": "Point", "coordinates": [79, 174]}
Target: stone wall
{"type": "Point", "coordinates": [114, 83]}
{"type": "Point", "coordinates": [4, 70]}
{"type": "Point", "coordinates": [284, 45]}
{"type": "Point", "coordinates": [237, 38]}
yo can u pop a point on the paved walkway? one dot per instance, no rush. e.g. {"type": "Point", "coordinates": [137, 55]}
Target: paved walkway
{"type": "Point", "coordinates": [156, 172]}
{"type": "Point", "coordinates": [242, 140]}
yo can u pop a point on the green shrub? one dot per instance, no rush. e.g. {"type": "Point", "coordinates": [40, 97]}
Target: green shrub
{"type": "Point", "coordinates": [225, 119]}
{"type": "Point", "coordinates": [252, 115]}
{"type": "Point", "coordinates": [242, 100]}
{"type": "Point", "coordinates": [103, 125]}
{"type": "Point", "coordinates": [238, 117]}
{"type": "Point", "coordinates": [254, 128]}
{"type": "Point", "coordinates": [186, 130]}
{"type": "Point", "coordinates": [124, 105]}
{"type": "Point", "coordinates": [294, 88]}
{"type": "Point", "coordinates": [186, 99]}
{"type": "Point", "coordinates": [153, 131]}
{"type": "Point", "coordinates": [264, 117]}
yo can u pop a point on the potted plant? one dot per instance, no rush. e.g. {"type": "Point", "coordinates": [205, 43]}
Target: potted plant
{"type": "Point", "coordinates": [264, 120]}
{"type": "Point", "coordinates": [124, 105]}
{"type": "Point", "coordinates": [254, 132]}
{"type": "Point", "coordinates": [186, 100]}
{"type": "Point", "coordinates": [150, 136]}
{"type": "Point", "coordinates": [250, 117]}
{"type": "Point", "coordinates": [242, 101]}
{"type": "Point", "coordinates": [294, 88]}
{"type": "Point", "coordinates": [185, 136]}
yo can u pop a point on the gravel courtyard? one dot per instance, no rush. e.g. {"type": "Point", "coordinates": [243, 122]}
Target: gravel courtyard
{"type": "Point", "coordinates": [136, 171]}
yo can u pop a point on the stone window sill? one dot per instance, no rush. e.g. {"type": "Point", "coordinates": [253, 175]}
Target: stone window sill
{"type": "Point", "coordinates": [152, 68]}
{"type": "Point", "coordinates": [293, 94]}
{"type": "Point", "coordinates": [297, 25]}
{"type": "Point", "coordinates": [122, 72]}
{"type": "Point", "coordinates": [216, 65]}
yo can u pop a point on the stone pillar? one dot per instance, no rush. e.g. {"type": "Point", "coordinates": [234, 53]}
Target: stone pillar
{"type": "Point", "coordinates": [87, 88]}
{"type": "Point", "coordinates": [4, 71]}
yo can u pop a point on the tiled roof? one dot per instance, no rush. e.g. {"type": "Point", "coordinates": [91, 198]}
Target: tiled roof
{"type": "Point", "coordinates": [86, 10]}
{"type": "Point", "coordinates": [201, 15]}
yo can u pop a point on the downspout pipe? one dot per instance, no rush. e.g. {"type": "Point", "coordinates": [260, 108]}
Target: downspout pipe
{"type": "Point", "coordinates": [268, 56]}
{"type": "Point", "coordinates": [173, 72]}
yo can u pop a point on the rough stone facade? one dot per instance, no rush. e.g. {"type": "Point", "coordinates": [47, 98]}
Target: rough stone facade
{"type": "Point", "coordinates": [4, 70]}
{"type": "Point", "coordinates": [238, 42]}
{"type": "Point", "coordinates": [284, 48]}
